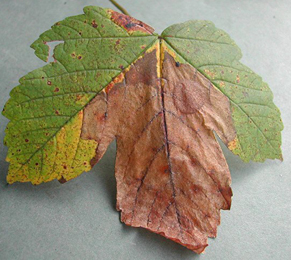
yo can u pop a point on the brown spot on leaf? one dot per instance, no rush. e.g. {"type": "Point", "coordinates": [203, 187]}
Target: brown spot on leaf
{"type": "Point", "coordinates": [165, 169]}
{"type": "Point", "coordinates": [196, 188]}
{"type": "Point", "coordinates": [56, 90]}
{"type": "Point", "coordinates": [49, 82]}
{"type": "Point", "coordinates": [94, 24]}
{"type": "Point", "coordinates": [129, 23]}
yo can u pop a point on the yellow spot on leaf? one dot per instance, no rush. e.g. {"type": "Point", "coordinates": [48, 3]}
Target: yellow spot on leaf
{"type": "Point", "coordinates": [209, 73]}
{"type": "Point", "coordinates": [221, 84]}
{"type": "Point", "coordinates": [233, 144]}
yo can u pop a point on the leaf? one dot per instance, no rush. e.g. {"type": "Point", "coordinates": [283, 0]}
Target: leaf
{"type": "Point", "coordinates": [162, 98]}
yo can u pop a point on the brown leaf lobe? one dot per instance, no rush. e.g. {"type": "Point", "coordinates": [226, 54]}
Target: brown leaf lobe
{"type": "Point", "coordinates": [171, 175]}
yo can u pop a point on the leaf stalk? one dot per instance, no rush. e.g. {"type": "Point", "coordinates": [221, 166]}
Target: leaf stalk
{"type": "Point", "coordinates": [119, 7]}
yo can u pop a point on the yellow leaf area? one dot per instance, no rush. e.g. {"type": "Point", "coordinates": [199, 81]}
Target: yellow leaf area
{"type": "Point", "coordinates": [64, 156]}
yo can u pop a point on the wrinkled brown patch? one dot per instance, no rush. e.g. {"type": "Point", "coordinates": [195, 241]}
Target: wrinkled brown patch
{"type": "Point", "coordinates": [194, 93]}
{"type": "Point", "coordinates": [189, 97]}
{"type": "Point", "coordinates": [129, 23]}
{"type": "Point", "coordinates": [94, 120]}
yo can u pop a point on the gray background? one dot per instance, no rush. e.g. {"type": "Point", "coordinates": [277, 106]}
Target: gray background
{"type": "Point", "coordinates": [78, 220]}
